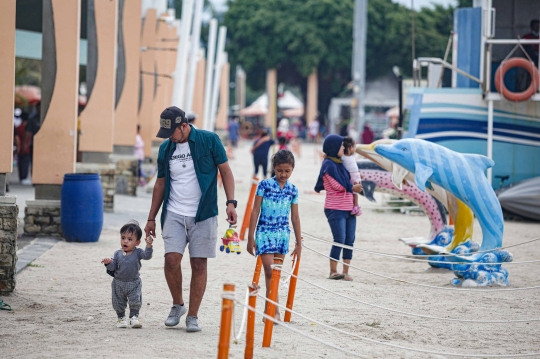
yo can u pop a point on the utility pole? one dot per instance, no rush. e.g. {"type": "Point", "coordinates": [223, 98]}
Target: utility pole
{"type": "Point", "coordinates": [359, 61]}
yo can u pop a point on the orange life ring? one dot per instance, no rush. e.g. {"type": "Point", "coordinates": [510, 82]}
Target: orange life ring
{"type": "Point", "coordinates": [524, 64]}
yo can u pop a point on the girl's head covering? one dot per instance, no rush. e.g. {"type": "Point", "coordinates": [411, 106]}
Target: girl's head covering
{"type": "Point", "coordinates": [332, 164]}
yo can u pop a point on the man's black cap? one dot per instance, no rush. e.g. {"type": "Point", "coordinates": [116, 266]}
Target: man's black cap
{"type": "Point", "coordinates": [170, 119]}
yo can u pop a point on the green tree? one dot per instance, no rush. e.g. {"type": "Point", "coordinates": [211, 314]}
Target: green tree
{"type": "Point", "coordinates": [296, 36]}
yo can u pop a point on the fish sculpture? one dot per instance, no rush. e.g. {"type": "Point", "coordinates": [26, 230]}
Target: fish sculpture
{"type": "Point", "coordinates": [463, 176]}
{"type": "Point", "coordinates": [455, 239]}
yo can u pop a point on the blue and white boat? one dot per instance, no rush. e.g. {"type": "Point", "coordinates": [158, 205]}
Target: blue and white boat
{"type": "Point", "coordinates": [471, 116]}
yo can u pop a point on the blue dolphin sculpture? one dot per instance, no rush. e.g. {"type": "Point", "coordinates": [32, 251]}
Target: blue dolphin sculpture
{"type": "Point", "coordinates": [460, 174]}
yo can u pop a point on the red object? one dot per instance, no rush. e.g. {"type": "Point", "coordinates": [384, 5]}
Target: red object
{"type": "Point", "coordinates": [32, 94]}
{"type": "Point", "coordinates": [524, 64]}
{"type": "Point", "coordinates": [531, 36]}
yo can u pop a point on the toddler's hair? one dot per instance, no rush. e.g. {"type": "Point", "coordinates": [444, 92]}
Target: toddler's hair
{"type": "Point", "coordinates": [281, 157]}
{"type": "Point", "coordinates": [348, 142]}
{"type": "Point", "coordinates": [132, 227]}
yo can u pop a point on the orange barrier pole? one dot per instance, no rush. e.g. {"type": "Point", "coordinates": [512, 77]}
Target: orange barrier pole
{"type": "Point", "coordinates": [292, 290]}
{"type": "Point", "coordinates": [226, 320]}
{"type": "Point", "coordinates": [257, 273]}
{"type": "Point", "coordinates": [271, 308]}
{"type": "Point", "coordinates": [249, 207]}
{"type": "Point", "coordinates": [250, 329]}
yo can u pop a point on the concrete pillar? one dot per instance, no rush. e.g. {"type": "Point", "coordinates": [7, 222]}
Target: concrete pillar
{"type": "Point", "coordinates": [223, 110]}
{"type": "Point", "coordinates": [271, 91]}
{"type": "Point", "coordinates": [9, 211]}
{"type": "Point", "coordinates": [128, 75]}
{"type": "Point", "coordinates": [148, 81]}
{"type": "Point", "coordinates": [7, 74]}
{"type": "Point", "coordinates": [312, 97]}
{"type": "Point", "coordinates": [198, 91]}
{"type": "Point", "coordinates": [97, 118]}
{"type": "Point", "coordinates": [171, 43]}
{"type": "Point", "coordinates": [55, 143]}
{"type": "Point", "coordinates": [161, 55]}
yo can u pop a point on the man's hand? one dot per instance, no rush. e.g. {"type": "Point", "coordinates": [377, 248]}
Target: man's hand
{"type": "Point", "coordinates": [149, 240]}
{"type": "Point", "coordinates": [231, 214]}
{"type": "Point", "coordinates": [106, 261]}
{"type": "Point", "coordinates": [150, 229]}
{"type": "Point", "coordinates": [251, 246]}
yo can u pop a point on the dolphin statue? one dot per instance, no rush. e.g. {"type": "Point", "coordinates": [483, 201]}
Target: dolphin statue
{"type": "Point", "coordinates": [460, 174]}
{"type": "Point", "coordinates": [462, 215]}
{"type": "Point", "coordinates": [376, 178]}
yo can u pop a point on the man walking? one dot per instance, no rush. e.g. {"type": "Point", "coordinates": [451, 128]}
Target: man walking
{"type": "Point", "coordinates": [186, 185]}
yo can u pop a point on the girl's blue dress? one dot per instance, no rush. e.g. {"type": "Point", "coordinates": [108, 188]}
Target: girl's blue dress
{"type": "Point", "coordinates": [273, 230]}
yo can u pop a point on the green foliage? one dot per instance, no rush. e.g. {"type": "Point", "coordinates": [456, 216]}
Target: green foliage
{"type": "Point", "coordinates": [296, 36]}
{"type": "Point", "coordinates": [27, 72]}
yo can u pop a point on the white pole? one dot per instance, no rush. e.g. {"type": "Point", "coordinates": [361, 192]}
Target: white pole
{"type": "Point", "coordinates": [220, 60]}
{"type": "Point", "coordinates": [181, 56]}
{"type": "Point", "coordinates": [195, 37]}
{"type": "Point", "coordinates": [208, 77]}
{"type": "Point", "coordinates": [490, 137]}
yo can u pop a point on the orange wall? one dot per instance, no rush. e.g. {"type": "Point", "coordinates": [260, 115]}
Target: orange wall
{"type": "Point", "coordinates": [127, 108]}
{"type": "Point", "coordinates": [147, 65]}
{"type": "Point", "coordinates": [55, 143]}
{"type": "Point", "coordinates": [7, 74]}
{"type": "Point", "coordinates": [159, 101]}
{"type": "Point", "coordinates": [97, 118]}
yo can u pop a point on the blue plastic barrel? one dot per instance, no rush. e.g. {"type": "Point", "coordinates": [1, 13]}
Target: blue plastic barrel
{"type": "Point", "coordinates": [81, 207]}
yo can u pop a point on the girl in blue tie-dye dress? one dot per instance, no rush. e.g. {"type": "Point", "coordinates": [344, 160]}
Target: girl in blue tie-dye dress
{"type": "Point", "coordinates": [276, 198]}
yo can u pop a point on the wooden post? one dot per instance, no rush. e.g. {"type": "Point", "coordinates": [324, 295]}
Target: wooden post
{"type": "Point", "coordinates": [226, 320]}
{"type": "Point", "coordinates": [249, 207]}
{"type": "Point", "coordinates": [250, 329]}
{"type": "Point", "coordinates": [292, 290]}
{"type": "Point", "coordinates": [257, 273]}
{"type": "Point", "coordinates": [271, 308]}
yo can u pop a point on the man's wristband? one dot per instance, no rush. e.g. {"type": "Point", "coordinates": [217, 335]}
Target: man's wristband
{"type": "Point", "coordinates": [150, 220]}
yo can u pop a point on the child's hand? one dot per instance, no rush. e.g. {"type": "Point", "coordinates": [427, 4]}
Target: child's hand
{"type": "Point", "coordinates": [106, 261]}
{"type": "Point", "coordinates": [251, 246]}
{"type": "Point", "coordinates": [297, 250]}
{"type": "Point", "coordinates": [357, 188]}
{"type": "Point", "coordinates": [149, 240]}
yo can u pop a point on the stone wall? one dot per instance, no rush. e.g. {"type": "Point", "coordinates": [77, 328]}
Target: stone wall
{"type": "Point", "coordinates": [42, 217]}
{"type": "Point", "coordinates": [9, 222]}
{"type": "Point", "coordinates": [108, 181]}
{"type": "Point", "coordinates": [127, 174]}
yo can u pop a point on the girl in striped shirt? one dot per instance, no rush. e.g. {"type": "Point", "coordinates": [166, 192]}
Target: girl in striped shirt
{"type": "Point", "coordinates": [336, 181]}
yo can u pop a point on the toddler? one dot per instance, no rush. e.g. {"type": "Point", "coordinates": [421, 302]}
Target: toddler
{"type": "Point", "coordinates": [124, 266]}
{"type": "Point", "coordinates": [349, 162]}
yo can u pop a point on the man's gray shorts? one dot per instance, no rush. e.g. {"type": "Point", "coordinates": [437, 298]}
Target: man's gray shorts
{"type": "Point", "coordinates": [179, 230]}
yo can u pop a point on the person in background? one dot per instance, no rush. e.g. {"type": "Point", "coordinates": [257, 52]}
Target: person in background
{"type": "Point", "coordinates": [532, 50]}
{"type": "Point", "coordinates": [313, 131]}
{"type": "Point", "coordinates": [138, 150]}
{"type": "Point", "coordinates": [32, 128]}
{"type": "Point", "coordinates": [282, 143]}
{"type": "Point", "coordinates": [23, 149]}
{"type": "Point", "coordinates": [368, 135]}
{"type": "Point", "coordinates": [260, 149]}
{"type": "Point", "coordinates": [338, 205]}
{"type": "Point", "coordinates": [234, 129]}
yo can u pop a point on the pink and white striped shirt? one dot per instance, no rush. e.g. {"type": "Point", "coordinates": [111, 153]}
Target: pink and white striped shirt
{"type": "Point", "coordinates": [337, 196]}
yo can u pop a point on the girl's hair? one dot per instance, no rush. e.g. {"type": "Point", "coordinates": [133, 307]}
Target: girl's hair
{"type": "Point", "coordinates": [132, 227]}
{"type": "Point", "coordinates": [348, 142]}
{"type": "Point", "coordinates": [281, 157]}
{"type": "Point", "coordinates": [282, 140]}
{"type": "Point", "coordinates": [264, 133]}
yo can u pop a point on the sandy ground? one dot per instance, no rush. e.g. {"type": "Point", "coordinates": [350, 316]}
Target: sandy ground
{"type": "Point", "coordinates": [55, 299]}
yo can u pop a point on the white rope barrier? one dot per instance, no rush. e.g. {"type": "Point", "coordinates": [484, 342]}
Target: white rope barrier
{"type": "Point", "coordinates": [243, 322]}
{"type": "Point", "coordinates": [421, 284]}
{"type": "Point", "coordinates": [396, 345]}
{"type": "Point", "coordinates": [407, 257]}
{"type": "Point", "coordinates": [285, 282]}
{"type": "Point", "coordinates": [278, 267]}
{"type": "Point", "coordinates": [228, 295]}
